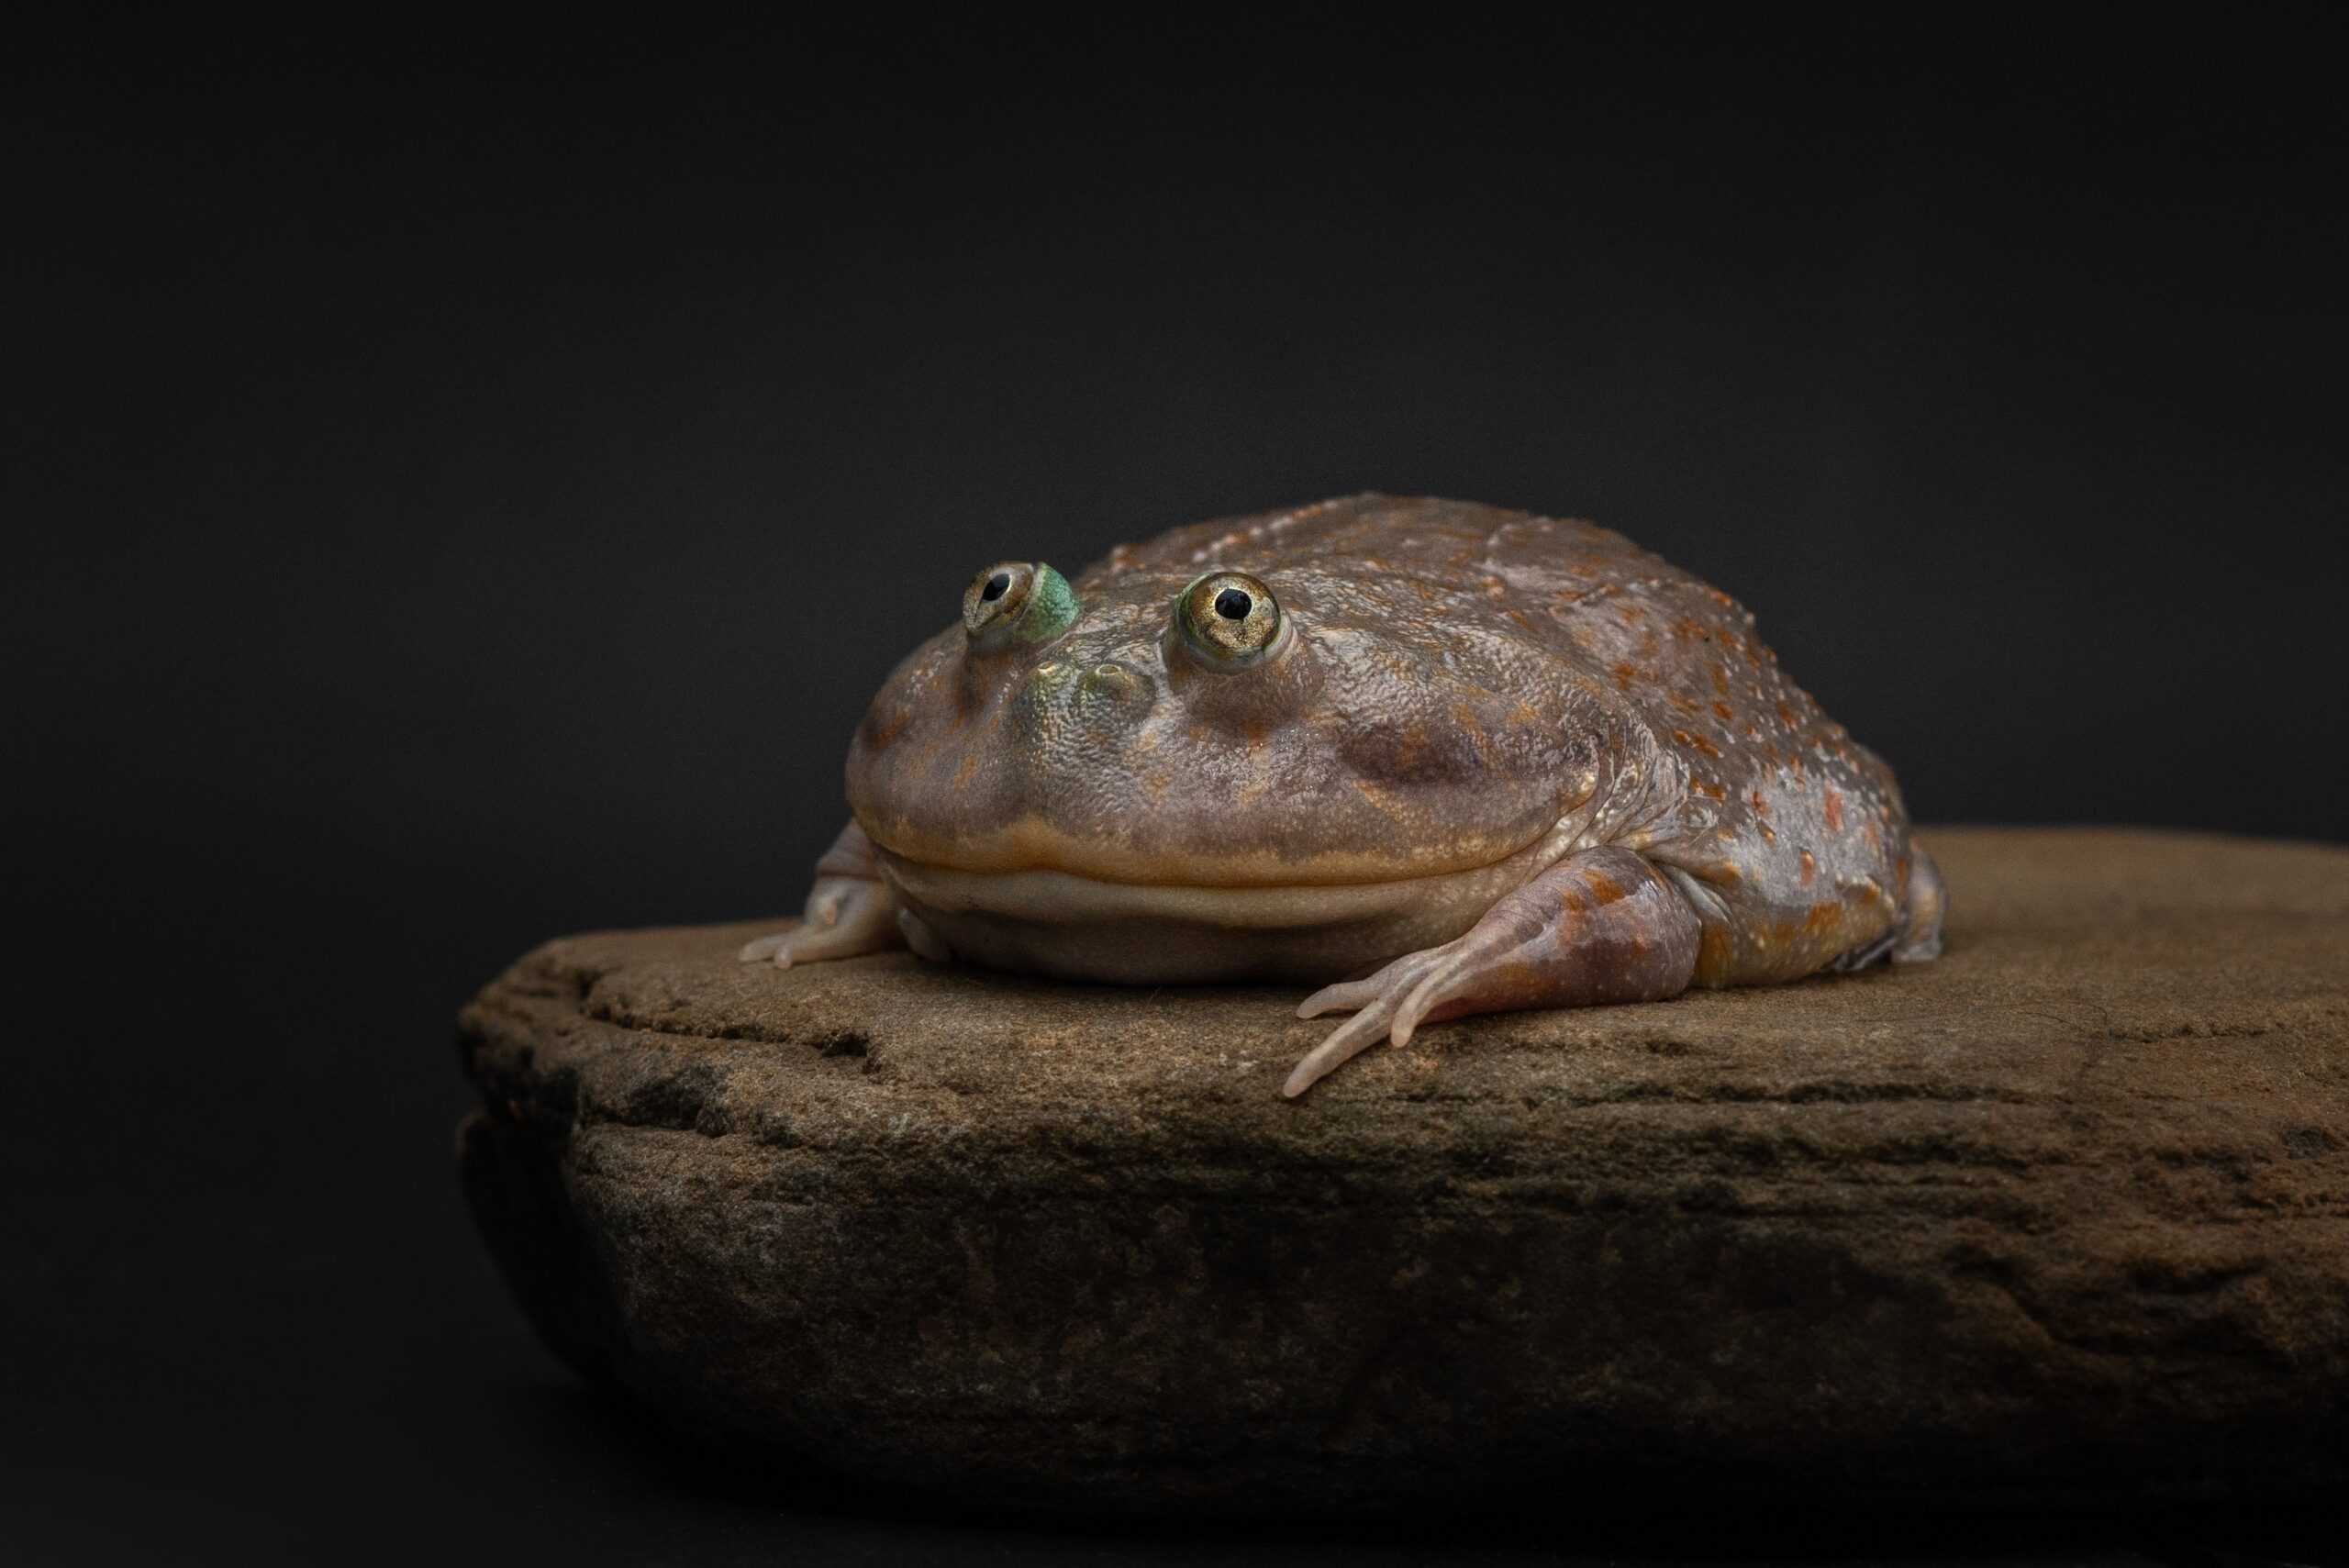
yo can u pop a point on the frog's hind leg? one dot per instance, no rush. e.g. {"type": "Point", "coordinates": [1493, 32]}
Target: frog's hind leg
{"type": "Point", "coordinates": [850, 911]}
{"type": "Point", "coordinates": [1916, 936]}
{"type": "Point", "coordinates": [1601, 925]}
{"type": "Point", "coordinates": [1927, 904]}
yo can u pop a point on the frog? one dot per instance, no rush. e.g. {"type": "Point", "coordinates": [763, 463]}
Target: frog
{"type": "Point", "coordinates": [1431, 757]}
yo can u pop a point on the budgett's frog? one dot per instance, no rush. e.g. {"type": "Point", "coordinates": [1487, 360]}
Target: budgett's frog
{"type": "Point", "coordinates": [1437, 758]}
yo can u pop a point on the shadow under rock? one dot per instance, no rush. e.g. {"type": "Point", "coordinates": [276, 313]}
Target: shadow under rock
{"type": "Point", "coordinates": [622, 1449]}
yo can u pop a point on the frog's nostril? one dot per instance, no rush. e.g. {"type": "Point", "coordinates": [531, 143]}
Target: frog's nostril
{"type": "Point", "coordinates": [1114, 681]}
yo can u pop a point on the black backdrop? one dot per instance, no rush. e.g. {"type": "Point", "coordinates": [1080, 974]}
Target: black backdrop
{"type": "Point", "coordinates": [462, 490]}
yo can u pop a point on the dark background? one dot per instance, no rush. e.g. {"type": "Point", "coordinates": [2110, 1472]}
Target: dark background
{"type": "Point", "coordinates": [463, 489]}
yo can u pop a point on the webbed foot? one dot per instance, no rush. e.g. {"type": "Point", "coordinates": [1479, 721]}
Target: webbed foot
{"type": "Point", "coordinates": [1601, 925]}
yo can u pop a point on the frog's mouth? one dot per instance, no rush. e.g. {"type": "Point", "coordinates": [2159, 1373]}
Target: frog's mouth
{"type": "Point", "coordinates": [1078, 926]}
{"type": "Point", "coordinates": [1031, 844]}
{"type": "Point", "coordinates": [1065, 897]}
{"type": "Point", "coordinates": [1049, 896]}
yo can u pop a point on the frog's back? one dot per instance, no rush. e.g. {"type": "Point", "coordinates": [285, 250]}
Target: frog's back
{"type": "Point", "coordinates": [1673, 647]}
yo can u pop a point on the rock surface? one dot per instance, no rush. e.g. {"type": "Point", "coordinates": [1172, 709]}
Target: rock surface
{"type": "Point", "coordinates": [2065, 1214]}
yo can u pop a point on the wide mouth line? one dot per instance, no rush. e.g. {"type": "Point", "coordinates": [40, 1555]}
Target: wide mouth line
{"type": "Point", "coordinates": [1225, 889]}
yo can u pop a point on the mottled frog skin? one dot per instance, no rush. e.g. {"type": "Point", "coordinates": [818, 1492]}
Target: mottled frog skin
{"type": "Point", "coordinates": [1437, 758]}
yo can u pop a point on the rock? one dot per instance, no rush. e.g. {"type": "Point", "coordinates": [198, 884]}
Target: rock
{"type": "Point", "coordinates": [2062, 1216]}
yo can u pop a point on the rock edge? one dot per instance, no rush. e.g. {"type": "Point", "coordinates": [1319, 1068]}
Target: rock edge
{"type": "Point", "coordinates": [2065, 1214]}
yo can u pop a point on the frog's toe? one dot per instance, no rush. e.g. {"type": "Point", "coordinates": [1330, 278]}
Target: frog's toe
{"type": "Point", "coordinates": [1345, 1042]}
{"type": "Point", "coordinates": [1375, 998]}
{"type": "Point", "coordinates": [1392, 981]}
{"type": "Point", "coordinates": [760, 949]}
{"type": "Point", "coordinates": [1343, 998]}
{"type": "Point", "coordinates": [1449, 981]}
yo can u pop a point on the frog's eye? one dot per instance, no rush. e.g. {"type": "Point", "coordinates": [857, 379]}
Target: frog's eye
{"type": "Point", "coordinates": [1017, 600]}
{"type": "Point", "coordinates": [1230, 620]}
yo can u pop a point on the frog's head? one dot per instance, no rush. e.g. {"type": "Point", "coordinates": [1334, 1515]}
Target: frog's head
{"type": "Point", "coordinates": [1208, 721]}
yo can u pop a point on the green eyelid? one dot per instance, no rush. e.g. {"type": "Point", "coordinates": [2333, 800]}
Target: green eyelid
{"type": "Point", "coordinates": [1016, 603]}
{"type": "Point", "coordinates": [1051, 607]}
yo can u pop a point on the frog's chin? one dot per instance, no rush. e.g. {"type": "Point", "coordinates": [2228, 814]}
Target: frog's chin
{"type": "Point", "coordinates": [1080, 928]}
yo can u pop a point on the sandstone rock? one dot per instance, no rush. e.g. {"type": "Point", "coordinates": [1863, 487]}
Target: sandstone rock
{"type": "Point", "coordinates": [2062, 1215]}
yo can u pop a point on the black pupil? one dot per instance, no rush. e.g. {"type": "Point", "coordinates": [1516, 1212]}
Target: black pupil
{"type": "Point", "coordinates": [995, 587]}
{"type": "Point", "coordinates": [1233, 604]}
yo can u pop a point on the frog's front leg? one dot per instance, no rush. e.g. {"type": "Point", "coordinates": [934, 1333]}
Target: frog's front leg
{"type": "Point", "coordinates": [1599, 926]}
{"type": "Point", "coordinates": [850, 910]}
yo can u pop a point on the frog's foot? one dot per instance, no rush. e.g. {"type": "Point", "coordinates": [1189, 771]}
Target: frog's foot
{"type": "Point", "coordinates": [850, 911]}
{"type": "Point", "coordinates": [1601, 925]}
{"type": "Point", "coordinates": [846, 915]}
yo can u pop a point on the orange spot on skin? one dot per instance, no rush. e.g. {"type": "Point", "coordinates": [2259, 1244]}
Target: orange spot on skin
{"type": "Point", "coordinates": [1720, 680]}
{"type": "Point", "coordinates": [1723, 711]}
{"type": "Point", "coordinates": [1706, 787]}
{"type": "Point", "coordinates": [1834, 812]}
{"type": "Point", "coordinates": [1696, 741]}
{"type": "Point", "coordinates": [970, 766]}
{"type": "Point", "coordinates": [1787, 717]}
{"type": "Point", "coordinates": [1809, 868]}
{"type": "Point", "coordinates": [1603, 888]}
{"type": "Point", "coordinates": [1759, 804]}
{"type": "Point", "coordinates": [881, 734]}
{"type": "Point", "coordinates": [1625, 677]}
{"type": "Point", "coordinates": [1713, 956]}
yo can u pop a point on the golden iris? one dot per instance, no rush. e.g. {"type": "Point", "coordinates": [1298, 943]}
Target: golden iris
{"type": "Point", "coordinates": [1230, 620]}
